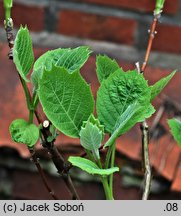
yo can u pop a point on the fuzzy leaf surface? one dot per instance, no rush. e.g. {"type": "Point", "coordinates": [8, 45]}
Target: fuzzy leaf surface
{"type": "Point", "coordinates": [23, 56]}
{"type": "Point", "coordinates": [175, 126]}
{"type": "Point", "coordinates": [66, 99]}
{"type": "Point", "coordinates": [105, 66]}
{"type": "Point", "coordinates": [70, 59]}
{"type": "Point", "coordinates": [90, 167]}
{"type": "Point", "coordinates": [160, 85]}
{"type": "Point", "coordinates": [117, 93]}
{"type": "Point", "coordinates": [74, 59]}
{"type": "Point", "coordinates": [23, 132]}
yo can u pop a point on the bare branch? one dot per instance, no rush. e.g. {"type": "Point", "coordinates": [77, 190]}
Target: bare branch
{"type": "Point", "coordinates": [146, 160]}
{"type": "Point", "coordinates": [42, 174]}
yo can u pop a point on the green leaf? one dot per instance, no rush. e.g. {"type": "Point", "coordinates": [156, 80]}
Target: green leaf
{"type": "Point", "coordinates": [175, 126]}
{"type": "Point", "coordinates": [66, 99]}
{"type": "Point", "coordinates": [160, 85]}
{"type": "Point", "coordinates": [23, 132]}
{"type": "Point", "coordinates": [23, 52]}
{"type": "Point", "coordinates": [45, 61]}
{"type": "Point", "coordinates": [105, 66]}
{"type": "Point", "coordinates": [90, 166]}
{"type": "Point", "coordinates": [74, 59]}
{"type": "Point", "coordinates": [94, 121]}
{"type": "Point", "coordinates": [70, 59]}
{"type": "Point", "coordinates": [91, 135]}
{"type": "Point", "coordinates": [127, 120]}
{"type": "Point", "coordinates": [117, 93]}
{"type": "Point", "coordinates": [124, 123]}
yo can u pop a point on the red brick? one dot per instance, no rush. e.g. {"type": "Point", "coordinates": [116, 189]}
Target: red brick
{"type": "Point", "coordinates": [172, 161]}
{"type": "Point", "coordinates": [1, 13]}
{"type": "Point", "coordinates": [97, 27]}
{"type": "Point", "coordinates": [168, 39]}
{"type": "Point", "coordinates": [30, 15]}
{"type": "Point", "coordinates": [171, 7]}
{"type": "Point", "coordinates": [176, 186]}
{"type": "Point", "coordinates": [164, 156]}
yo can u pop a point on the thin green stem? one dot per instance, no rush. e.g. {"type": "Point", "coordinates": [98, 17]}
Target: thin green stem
{"type": "Point", "coordinates": [90, 155]}
{"type": "Point", "coordinates": [31, 115]}
{"type": "Point", "coordinates": [106, 188]}
{"type": "Point", "coordinates": [35, 100]}
{"type": "Point", "coordinates": [112, 138]}
{"type": "Point", "coordinates": [99, 163]}
{"type": "Point", "coordinates": [28, 100]}
{"type": "Point", "coordinates": [105, 184]}
{"type": "Point", "coordinates": [27, 95]}
{"type": "Point", "coordinates": [7, 6]}
{"type": "Point", "coordinates": [7, 14]}
{"type": "Point", "coordinates": [108, 157]}
{"type": "Point", "coordinates": [112, 165]}
{"type": "Point", "coordinates": [110, 160]}
{"type": "Point", "coordinates": [159, 6]}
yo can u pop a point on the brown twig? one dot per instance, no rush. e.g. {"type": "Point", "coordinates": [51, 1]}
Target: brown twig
{"type": "Point", "coordinates": [42, 174]}
{"type": "Point", "coordinates": [62, 166]}
{"type": "Point", "coordinates": [144, 126]}
{"type": "Point", "coordinates": [146, 160]}
{"type": "Point", "coordinates": [57, 158]}
{"type": "Point", "coordinates": [150, 42]}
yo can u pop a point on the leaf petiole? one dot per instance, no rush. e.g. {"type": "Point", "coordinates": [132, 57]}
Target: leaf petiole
{"type": "Point", "coordinates": [112, 165]}
{"type": "Point", "coordinates": [107, 189]}
{"type": "Point", "coordinates": [28, 100]}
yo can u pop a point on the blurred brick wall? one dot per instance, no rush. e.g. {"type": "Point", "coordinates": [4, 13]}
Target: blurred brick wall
{"type": "Point", "coordinates": [119, 21]}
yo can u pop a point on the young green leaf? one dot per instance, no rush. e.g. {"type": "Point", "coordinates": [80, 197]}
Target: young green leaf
{"type": "Point", "coordinates": [127, 120]}
{"type": "Point", "coordinates": [91, 136]}
{"type": "Point", "coordinates": [160, 85]}
{"type": "Point", "coordinates": [90, 166]}
{"type": "Point", "coordinates": [175, 126]}
{"type": "Point", "coordinates": [117, 93]}
{"type": "Point", "coordinates": [66, 99]}
{"type": "Point", "coordinates": [70, 59]}
{"type": "Point", "coordinates": [23, 52]}
{"type": "Point", "coordinates": [23, 132]}
{"type": "Point", "coordinates": [94, 121]}
{"type": "Point", "coordinates": [105, 66]}
{"type": "Point", "coordinates": [124, 123]}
